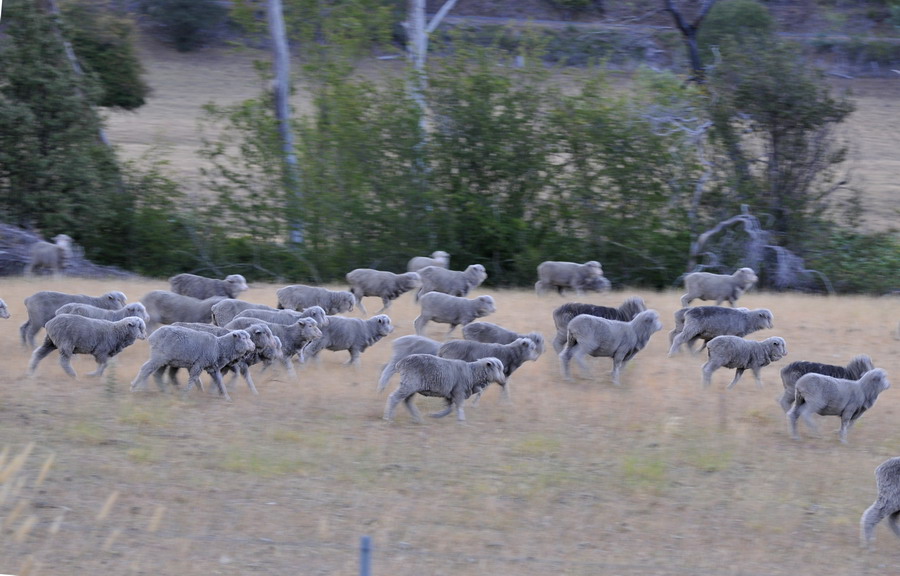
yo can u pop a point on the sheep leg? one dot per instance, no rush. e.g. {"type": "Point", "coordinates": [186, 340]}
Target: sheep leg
{"type": "Point", "coordinates": [846, 424]}
{"type": "Point", "coordinates": [792, 417]}
{"type": "Point", "coordinates": [193, 378]}
{"type": "Point", "coordinates": [870, 518]}
{"type": "Point", "coordinates": [419, 324]}
{"type": "Point", "coordinates": [39, 354]}
{"type": "Point", "coordinates": [786, 400]}
{"type": "Point", "coordinates": [559, 342]}
{"type": "Point", "coordinates": [675, 348]}
{"type": "Point", "coordinates": [386, 374]}
{"type": "Point", "coordinates": [354, 357]}
{"type": "Point", "coordinates": [893, 518]}
{"type": "Point", "coordinates": [23, 330]}
{"type": "Point", "coordinates": [245, 372]}
{"type": "Point", "coordinates": [102, 361]}
{"type": "Point", "coordinates": [391, 405]}
{"type": "Point", "coordinates": [359, 302]}
{"type": "Point", "coordinates": [452, 328]}
{"type": "Point", "coordinates": [617, 366]}
{"type": "Point", "coordinates": [417, 417]}
{"type": "Point", "coordinates": [756, 375]}
{"type": "Point", "coordinates": [564, 358]}
{"type": "Point", "coordinates": [737, 376]}
{"type": "Point", "coordinates": [217, 378]}
{"type": "Point", "coordinates": [385, 304]}
{"type": "Point", "coordinates": [806, 412]}
{"type": "Point", "coordinates": [707, 371]}
{"type": "Point", "coordinates": [445, 411]}
{"type": "Point", "coordinates": [458, 400]}
{"type": "Point", "coordinates": [148, 368]}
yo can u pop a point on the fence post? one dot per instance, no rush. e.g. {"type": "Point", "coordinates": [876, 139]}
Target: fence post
{"type": "Point", "coordinates": [365, 556]}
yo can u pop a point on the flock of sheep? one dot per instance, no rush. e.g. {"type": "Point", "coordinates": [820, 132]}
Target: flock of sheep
{"type": "Point", "coordinates": [201, 325]}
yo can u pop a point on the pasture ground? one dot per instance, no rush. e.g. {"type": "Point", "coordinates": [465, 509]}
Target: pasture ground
{"type": "Point", "coordinates": [658, 476]}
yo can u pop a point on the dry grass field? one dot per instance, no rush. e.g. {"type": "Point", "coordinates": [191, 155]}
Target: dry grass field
{"type": "Point", "coordinates": [658, 476]}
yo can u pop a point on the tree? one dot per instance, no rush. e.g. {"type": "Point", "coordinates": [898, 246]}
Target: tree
{"type": "Point", "coordinates": [689, 31]}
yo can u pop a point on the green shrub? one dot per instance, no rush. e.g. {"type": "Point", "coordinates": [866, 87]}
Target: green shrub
{"type": "Point", "coordinates": [188, 24]}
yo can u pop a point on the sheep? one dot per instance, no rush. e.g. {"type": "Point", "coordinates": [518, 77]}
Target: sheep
{"type": "Point", "coordinates": [829, 396]}
{"type": "Point", "coordinates": [453, 310]}
{"type": "Point", "coordinates": [736, 352]}
{"type": "Point", "coordinates": [294, 337]}
{"type": "Point", "coordinates": [300, 296]}
{"type": "Point", "coordinates": [452, 380]}
{"type": "Point", "coordinates": [135, 309]}
{"type": "Point", "coordinates": [854, 370]}
{"type": "Point", "coordinates": [201, 288]}
{"type": "Point", "coordinates": [718, 287]}
{"type": "Point", "coordinates": [385, 285]}
{"type": "Point", "coordinates": [401, 348]}
{"type": "Point", "coordinates": [351, 334]}
{"type": "Point", "coordinates": [224, 311]}
{"type": "Point", "coordinates": [274, 316]}
{"type": "Point", "coordinates": [74, 334]}
{"type": "Point", "coordinates": [453, 282]}
{"type": "Point", "coordinates": [707, 322]}
{"type": "Point", "coordinates": [165, 307]}
{"type": "Point", "coordinates": [42, 306]}
{"type": "Point", "coordinates": [887, 503]}
{"type": "Point", "coordinates": [439, 258]}
{"type": "Point", "coordinates": [52, 256]}
{"type": "Point", "coordinates": [630, 308]}
{"type": "Point", "coordinates": [594, 336]}
{"type": "Point", "coordinates": [4, 309]}
{"type": "Point", "coordinates": [512, 355]}
{"type": "Point", "coordinates": [489, 332]}
{"type": "Point", "coordinates": [267, 347]}
{"type": "Point", "coordinates": [179, 347]}
{"type": "Point", "coordinates": [561, 275]}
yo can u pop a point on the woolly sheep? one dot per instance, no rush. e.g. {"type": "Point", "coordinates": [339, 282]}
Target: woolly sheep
{"type": "Point", "coordinates": [401, 348]}
{"type": "Point", "coordinates": [294, 337]}
{"type": "Point", "coordinates": [490, 332]}
{"type": "Point", "coordinates": [42, 306]}
{"type": "Point", "coordinates": [179, 347]}
{"type": "Point", "coordinates": [452, 380]}
{"type": "Point", "coordinates": [135, 309]}
{"type": "Point", "coordinates": [453, 282]}
{"type": "Point", "coordinates": [352, 334]}
{"type": "Point", "coordinates": [630, 308]}
{"type": "Point", "coordinates": [74, 334]}
{"type": "Point", "coordinates": [512, 355]}
{"type": "Point", "coordinates": [224, 311]}
{"type": "Point", "coordinates": [600, 337]}
{"type": "Point", "coordinates": [887, 503]}
{"type": "Point", "coordinates": [854, 370]}
{"type": "Point", "coordinates": [4, 309]}
{"type": "Point", "coordinates": [274, 316]}
{"type": "Point", "coordinates": [440, 259]}
{"type": "Point", "coordinates": [707, 322]}
{"type": "Point", "coordinates": [828, 396]}
{"type": "Point", "coordinates": [300, 297]}
{"type": "Point", "coordinates": [51, 256]}
{"type": "Point", "coordinates": [740, 354]}
{"type": "Point", "coordinates": [165, 307]}
{"type": "Point", "coordinates": [201, 287]}
{"type": "Point", "coordinates": [385, 285]}
{"type": "Point", "coordinates": [453, 310]}
{"type": "Point", "coordinates": [553, 275]}
{"type": "Point", "coordinates": [718, 287]}
{"type": "Point", "coordinates": [266, 347]}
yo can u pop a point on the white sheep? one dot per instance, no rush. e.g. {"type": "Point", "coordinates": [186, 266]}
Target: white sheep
{"type": "Point", "coordinates": [401, 348]}
{"type": "Point", "coordinates": [493, 333]}
{"type": "Point", "coordinates": [740, 354]}
{"type": "Point", "coordinates": [300, 296]}
{"type": "Point", "coordinates": [707, 322]}
{"type": "Point", "coordinates": [439, 258]}
{"type": "Point", "coordinates": [630, 308]}
{"type": "Point", "coordinates": [354, 335]}
{"type": "Point", "coordinates": [718, 287]}
{"type": "Point", "coordinates": [50, 256]}
{"type": "Point", "coordinates": [165, 307]}
{"type": "Point", "coordinates": [453, 310]}
{"type": "Point", "coordinates": [512, 355]}
{"type": "Point", "coordinates": [179, 347]}
{"type": "Point", "coordinates": [854, 370]}
{"type": "Point", "coordinates": [42, 306]}
{"type": "Point", "coordinates": [4, 309]}
{"type": "Point", "coordinates": [453, 282]}
{"type": "Point", "coordinates": [385, 285]}
{"type": "Point", "coordinates": [74, 334]}
{"type": "Point", "coordinates": [599, 337]}
{"type": "Point", "coordinates": [201, 287]}
{"type": "Point", "coordinates": [828, 396]}
{"type": "Point", "coordinates": [559, 276]}
{"type": "Point", "coordinates": [452, 380]}
{"type": "Point", "coordinates": [135, 309]}
{"type": "Point", "coordinates": [275, 316]}
{"type": "Point", "coordinates": [294, 337]}
{"type": "Point", "coordinates": [887, 503]}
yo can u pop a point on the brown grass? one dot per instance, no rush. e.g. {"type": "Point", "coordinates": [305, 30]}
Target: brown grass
{"type": "Point", "coordinates": [658, 476]}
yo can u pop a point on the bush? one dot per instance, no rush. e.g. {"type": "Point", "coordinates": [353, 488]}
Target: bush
{"type": "Point", "coordinates": [188, 24]}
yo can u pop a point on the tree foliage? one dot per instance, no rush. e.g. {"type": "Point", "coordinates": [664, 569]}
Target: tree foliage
{"type": "Point", "coordinates": [188, 24]}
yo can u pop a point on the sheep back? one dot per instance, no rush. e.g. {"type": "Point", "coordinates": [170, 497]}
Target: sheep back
{"type": "Point", "coordinates": [301, 296]}
{"type": "Point", "coordinates": [562, 315]}
{"type": "Point", "coordinates": [201, 287]}
{"type": "Point", "coordinates": [452, 282]}
{"type": "Point", "coordinates": [352, 334]}
{"type": "Point", "coordinates": [42, 306]}
{"type": "Point", "coordinates": [453, 310]}
{"type": "Point", "coordinates": [165, 307]}
{"type": "Point", "coordinates": [75, 334]}
{"type": "Point", "coordinates": [568, 275]}
{"type": "Point", "coordinates": [438, 258]}
{"type": "Point", "coordinates": [854, 370]}
{"type": "Point", "coordinates": [718, 287]}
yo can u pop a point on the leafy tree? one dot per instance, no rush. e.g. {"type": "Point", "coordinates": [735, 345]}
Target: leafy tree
{"type": "Point", "coordinates": [188, 24]}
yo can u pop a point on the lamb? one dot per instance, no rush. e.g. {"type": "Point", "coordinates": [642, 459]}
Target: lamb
{"type": "Point", "coordinates": [829, 396]}
{"type": "Point", "coordinates": [558, 276]}
{"type": "Point", "coordinates": [352, 334]}
{"type": "Point", "coordinates": [179, 347]}
{"type": "Point", "coordinates": [453, 282]}
{"type": "Point", "coordinates": [294, 337]}
{"type": "Point", "coordinates": [166, 307]}
{"type": "Point", "coordinates": [74, 334]}
{"type": "Point", "coordinates": [439, 258]}
{"type": "Point", "coordinates": [201, 288]}
{"type": "Point", "coordinates": [401, 348]}
{"type": "Point", "coordinates": [564, 314]}
{"type": "Point", "coordinates": [274, 316]}
{"type": "Point", "coordinates": [385, 285]}
{"type": "Point", "coordinates": [594, 336]}
{"type": "Point", "coordinates": [707, 322]}
{"type": "Point", "coordinates": [4, 309]}
{"type": "Point", "coordinates": [887, 503]}
{"type": "Point", "coordinates": [135, 309]}
{"type": "Point", "coordinates": [452, 380]}
{"type": "Point", "coordinates": [854, 370]}
{"type": "Point", "coordinates": [42, 306]}
{"type": "Point", "coordinates": [512, 355]}
{"type": "Point", "coordinates": [489, 332]}
{"type": "Point", "coordinates": [718, 287]}
{"type": "Point", "coordinates": [267, 347]}
{"type": "Point", "coordinates": [224, 311]}
{"type": "Point", "coordinates": [736, 352]}
{"type": "Point", "coordinates": [51, 256]}
{"type": "Point", "coordinates": [300, 297]}
{"type": "Point", "coordinates": [453, 310]}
